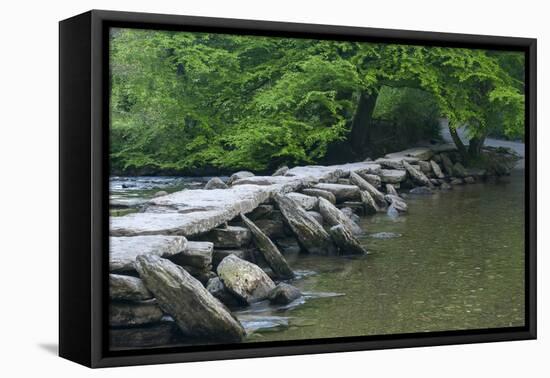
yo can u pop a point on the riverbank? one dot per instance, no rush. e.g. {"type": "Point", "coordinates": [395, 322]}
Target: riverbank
{"type": "Point", "coordinates": [308, 209]}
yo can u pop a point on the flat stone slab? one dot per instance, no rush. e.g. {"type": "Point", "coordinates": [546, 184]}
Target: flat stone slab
{"type": "Point", "coordinates": [123, 251]}
{"type": "Point", "coordinates": [209, 209]}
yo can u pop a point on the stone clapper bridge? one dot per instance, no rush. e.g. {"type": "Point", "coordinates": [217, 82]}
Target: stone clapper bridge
{"type": "Point", "coordinates": [179, 266]}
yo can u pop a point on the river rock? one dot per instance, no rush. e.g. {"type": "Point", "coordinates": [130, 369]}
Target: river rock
{"type": "Point", "coordinates": [457, 181]}
{"type": "Point", "coordinates": [127, 288]}
{"type": "Point", "coordinates": [317, 216]}
{"type": "Point", "coordinates": [416, 175]}
{"type": "Point", "coordinates": [283, 294]}
{"type": "Point", "coordinates": [393, 176]}
{"type": "Point", "coordinates": [445, 186]}
{"type": "Point", "coordinates": [390, 189]}
{"type": "Point", "coordinates": [320, 193]}
{"type": "Point", "coordinates": [219, 254]}
{"type": "Point", "coordinates": [215, 183]}
{"type": "Point", "coordinates": [447, 164]}
{"type": "Point", "coordinates": [436, 182]}
{"type": "Point", "coordinates": [123, 314]}
{"type": "Point", "coordinates": [334, 217]}
{"type": "Point", "coordinates": [397, 203]}
{"type": "Point", "coordinates": [374, 180]}
{"type": "Point", "coordinates": [425, 167]}
{"type": "Point", "coordinates": [194, 309]}
{"type": "Point", "coordinates": [422, 190]}
{"type": "Point", "coordinates": [310, 234]}
{"type": "Point", "coordinates": [216, 287]}
{"type": "Point", "coordinates": [437, 170]}
{"type": "Point", "coordinates": [123, 251]}
{"type": "Point", "coordinates": [346, 242]}
{"type": "Point", "coordinates": [244, 279]}
{"type": "Point", "coordinates": [469, 180]}
{"type": "Point", "coordinates": [281, 171]}
{"type": "Point", "coordinates": [228, 237]}
{"type": "Point", "coordinates": [158, 334]}
{"type": "Point", "coordinates": [366, 186]}
{"type": "Point", "coordinates": [196, 254]}
{"type": "Point", "coordinates": [348, 212]}
{"type": "Point", "coordinates": [369, 203]}
{"type": "Point", "coordinates": [160, 193]}
{"type": "Point", "coordinates": [459, 170]}
{"type": "Point", "coordinates": [341, 192]}
{"type": "Point", "coordinates": [395, 163]}
{"type": "Point", "coordinates": [269, 250]}
{"type": "Point", "coordinates": [238, 176]}
{"type": "Point", "coordinates": [307, 202]}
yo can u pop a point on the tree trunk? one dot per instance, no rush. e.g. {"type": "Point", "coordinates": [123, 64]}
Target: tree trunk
{"type": "Point", "coordinates": [458, 142]}
{"type": "Point", "coordinates": [361, 122]}
{"type": "Point", "coordinates": [474, 149]}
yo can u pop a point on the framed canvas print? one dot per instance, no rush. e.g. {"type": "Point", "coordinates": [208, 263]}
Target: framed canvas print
{"type": "Point", "coordinates": [234, 188]}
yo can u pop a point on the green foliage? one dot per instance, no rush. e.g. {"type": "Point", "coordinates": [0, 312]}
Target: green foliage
{"type": "Point", "coordinates": [188, 101]}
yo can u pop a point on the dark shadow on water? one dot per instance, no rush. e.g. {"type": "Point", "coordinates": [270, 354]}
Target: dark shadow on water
{"type": "Point", "coordinates": [51, 348]}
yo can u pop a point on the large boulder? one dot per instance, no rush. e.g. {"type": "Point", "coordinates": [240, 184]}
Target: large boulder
{"type": "Point", "coordinates": [307, 202]}
{"type": "Point", "coordinates": [437, 170]}
{"type": "Point", "coordinates": [238, 176]}
{"type": "Point", "coordinates": [123, 314]}
{"type": "Point", "coordinates": [195, 310]}
{"type": "Point", "coordinates": [283, 294]}
{"type": "Point", "coordinates": [366, 186]}
{"type": "Point", "coordinates": [244, 279]}
{"type": "Point", "coordinates": [127, 288]}
{"type": "Point", "coordinates": [346, 242]}
{"type": "Point", "coordinates": [393, 176]}
{"type": "Point", "coordinates": [196, 254]}
{"type": "Point", "coordinates": [417, 176]}
{"type": "Point", "coordinates": [228, 237]}
{"type": "Point", "coordinates": [123, 251]}
{"type": "Point", "coordinates": [269, 251]}
{"type": "Point", "coordinates": [341, 192]}
{"type": "Point", "coordinates": [333, 216]}
{"type": "Point", "coordinates": [397, 203]}
{"type": "Point", "coordinates": [374, 180]}
{"type": "Point", "coordinates": [310, 234]}
{"type": "Point", "coordinates": [215, 183]}
{"type": "Point", "coordinates": [320, 193]}
{"type": "Point", "coordinates": [390, 189]}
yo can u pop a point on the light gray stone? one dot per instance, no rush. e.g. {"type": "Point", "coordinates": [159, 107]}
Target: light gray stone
{"type": "Point", "coordinates": [346, 242]}
{"type": "Point", "coordinates": [320, 193]}
{"type": "Point", "coordinates": [283, 294]}
{"type": "Point", "coordinates": [244, 279]}
{"type": "Point", "coordinates": [307, 202]}
{"type": "Point", "coordinates": [239, 175]}
{"type": "Point", "coordinates": [393, 176]}
{"type": "Point", "coordinates": [366, 186]}
{"type": "Point", "coordinates": [196, 254]}
{"type": "Point", "coordinates": [281, 171]}
{"type": "Point", "coordinates": [437, 170]}
{"type": "Point", "coordinates": [416, 175]}
{"type": "Point", "coordinates": [341, 192]}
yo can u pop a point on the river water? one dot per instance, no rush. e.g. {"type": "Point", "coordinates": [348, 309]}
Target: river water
{"type": "Point", "coordinates": [454, 262]}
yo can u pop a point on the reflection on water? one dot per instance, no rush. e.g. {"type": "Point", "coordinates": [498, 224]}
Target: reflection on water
{"type": "Point", "coordinates": [457, 264]}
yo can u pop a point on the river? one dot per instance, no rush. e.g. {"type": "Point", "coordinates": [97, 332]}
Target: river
{"type": "Point", "coordinates": [454, 262]}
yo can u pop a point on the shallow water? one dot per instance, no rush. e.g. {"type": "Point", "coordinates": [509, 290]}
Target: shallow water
{"type": "Point", "coordinates": [458, 264]}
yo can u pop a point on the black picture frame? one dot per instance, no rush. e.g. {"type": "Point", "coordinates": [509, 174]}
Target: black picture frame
{"type": "Point", "coordinates": [83, 181]}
